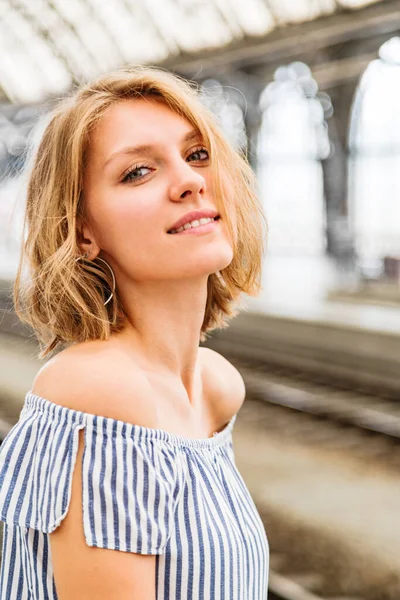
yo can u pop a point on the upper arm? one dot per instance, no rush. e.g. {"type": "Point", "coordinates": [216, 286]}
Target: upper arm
{"type": "Point", "coordinates": [81, 570]}
{"type": "Point", "coordinates": [85, 572]}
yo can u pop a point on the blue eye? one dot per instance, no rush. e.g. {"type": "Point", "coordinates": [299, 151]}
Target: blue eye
{"type": "Point", "coordinates": [197, 154]}
{"type": "Point", "coordinates": [135, 173]}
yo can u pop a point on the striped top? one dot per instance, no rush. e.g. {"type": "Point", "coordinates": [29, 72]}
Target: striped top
{"type": "Point", "coordinates": [144, 490]}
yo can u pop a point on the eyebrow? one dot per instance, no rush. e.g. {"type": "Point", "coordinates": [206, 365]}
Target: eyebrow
{"type": "Point", "coordinates": [146, 148]}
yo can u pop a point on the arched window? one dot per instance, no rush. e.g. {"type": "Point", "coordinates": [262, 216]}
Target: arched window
{"type": "Point", "coordinates": [292, 140]}
{"type": "Point", "coordinates": [374, 142]}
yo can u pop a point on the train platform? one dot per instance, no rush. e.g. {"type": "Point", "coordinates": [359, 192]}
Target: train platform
{"type": "Point", "coordinates": [314, 289]}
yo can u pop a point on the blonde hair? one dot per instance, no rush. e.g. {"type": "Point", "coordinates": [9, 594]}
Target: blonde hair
{"type": "Point", "coordinates": [63, 302]}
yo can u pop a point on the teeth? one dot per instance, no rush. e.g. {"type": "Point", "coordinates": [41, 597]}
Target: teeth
{"type": "Point", "coordinates": [195, 223]}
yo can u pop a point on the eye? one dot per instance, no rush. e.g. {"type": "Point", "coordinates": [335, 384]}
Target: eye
{"type": "Point", "coordinates": [199, 155]}
{"type": "Point", "coordinates": [135, 173]}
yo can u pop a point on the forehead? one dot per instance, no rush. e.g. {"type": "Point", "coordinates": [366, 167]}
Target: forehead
{"type": "Point", "coordinates": [137, 121]}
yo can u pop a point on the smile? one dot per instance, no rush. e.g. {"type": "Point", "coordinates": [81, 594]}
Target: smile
{"type": "Point", "coordinates": [196, 224]}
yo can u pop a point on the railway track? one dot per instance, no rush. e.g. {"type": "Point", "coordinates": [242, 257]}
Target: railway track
{"type": "Point", "coordinates": [323, 411]}
{"type": "Point", "coordinates": [365, 411]}
{"type": "Point", "coordinates": [284, 588]}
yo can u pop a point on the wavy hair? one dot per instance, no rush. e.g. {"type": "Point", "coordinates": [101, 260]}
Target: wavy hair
{"type": "Point", "coordinates": [63, 302]}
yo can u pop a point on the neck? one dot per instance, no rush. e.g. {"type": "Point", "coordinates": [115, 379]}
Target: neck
{"type": "Point", "coordinates": [163, 323]}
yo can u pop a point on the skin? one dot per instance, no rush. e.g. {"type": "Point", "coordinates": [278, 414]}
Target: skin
{"type": "Point", "coordinates": [153, 373]}
{"type": "Point", "coordinates": [161, 278]}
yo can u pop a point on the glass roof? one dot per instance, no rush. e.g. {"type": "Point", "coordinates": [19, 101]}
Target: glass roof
{"type": "Point", "coordinates": [46, 45]}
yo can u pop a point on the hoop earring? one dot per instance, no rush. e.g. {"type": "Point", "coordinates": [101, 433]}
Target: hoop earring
{"type": "Point", "coordinates": [112, 273]}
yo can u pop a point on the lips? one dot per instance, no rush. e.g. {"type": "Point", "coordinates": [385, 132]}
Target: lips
{"type": "Point", "coordinates": [191, 216]}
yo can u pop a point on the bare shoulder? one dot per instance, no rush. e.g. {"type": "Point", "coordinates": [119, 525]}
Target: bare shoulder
{"type": "Point", "coordinates": [223, 381]}
{"type": "Point", "coordinates": [97, 378]}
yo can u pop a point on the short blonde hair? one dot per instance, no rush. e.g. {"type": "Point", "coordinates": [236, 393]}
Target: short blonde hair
{"type": "Point", "coordinates": [63, 302]}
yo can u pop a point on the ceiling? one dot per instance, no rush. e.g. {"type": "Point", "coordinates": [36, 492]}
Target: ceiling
{"type": "Point", "coordinates": [47, 45]}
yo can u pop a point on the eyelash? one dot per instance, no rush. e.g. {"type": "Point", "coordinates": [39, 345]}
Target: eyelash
{"type": "Point", "coordinates": [125, 177]}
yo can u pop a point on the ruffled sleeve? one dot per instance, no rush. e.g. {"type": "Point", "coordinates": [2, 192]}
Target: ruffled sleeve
{"type": "Point", "coordinates": [131, 479]}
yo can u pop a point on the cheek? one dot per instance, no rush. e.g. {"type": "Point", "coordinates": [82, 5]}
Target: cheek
{"type": "Point", "coordinates": [129, 219]}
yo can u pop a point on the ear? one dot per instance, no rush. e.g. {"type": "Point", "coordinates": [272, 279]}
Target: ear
{"type": "Point", "coordinates": [86, 240]}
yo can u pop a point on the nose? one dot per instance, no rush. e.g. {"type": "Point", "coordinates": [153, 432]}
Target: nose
{"type": "Point", "coordinates": [186, 181]}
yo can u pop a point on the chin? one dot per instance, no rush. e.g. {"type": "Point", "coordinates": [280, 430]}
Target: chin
{"type": "Point", "coordinates": [216, 261]}
{"type": "Point", "coordinates": [201, 263]}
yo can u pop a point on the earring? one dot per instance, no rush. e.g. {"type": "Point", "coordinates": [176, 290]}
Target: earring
{"type": "Point", "coordinates": [112, 273]}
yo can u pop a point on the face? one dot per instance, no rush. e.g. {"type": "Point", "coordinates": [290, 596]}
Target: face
{"type": "Point", "coordinates": [147, 169]}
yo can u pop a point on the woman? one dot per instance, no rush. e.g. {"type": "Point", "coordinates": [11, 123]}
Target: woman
{"type": "Point", "coordinates": [143, 228]}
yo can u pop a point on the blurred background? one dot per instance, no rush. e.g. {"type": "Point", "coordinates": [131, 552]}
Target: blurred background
{"type": "Point", "coordinates": [310, 91]}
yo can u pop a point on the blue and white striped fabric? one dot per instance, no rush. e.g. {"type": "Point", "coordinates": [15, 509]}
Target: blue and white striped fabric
{"type": "Point", "coordinates": [144, 490]}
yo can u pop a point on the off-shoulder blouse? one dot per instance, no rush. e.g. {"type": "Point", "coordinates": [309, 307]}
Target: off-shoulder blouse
{"type": "Point", "coordinates": [144, 490]}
